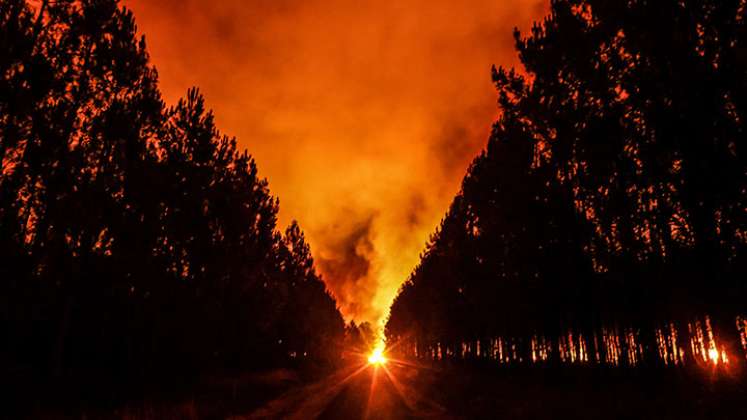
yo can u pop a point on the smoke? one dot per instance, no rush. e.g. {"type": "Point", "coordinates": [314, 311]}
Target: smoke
{"type": "Point", "coordinates": [345, 257]}
{"type": "Point", "coordinates": [363, 115]}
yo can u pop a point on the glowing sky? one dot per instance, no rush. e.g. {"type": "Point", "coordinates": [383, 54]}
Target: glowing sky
{"type": "Point", "coordinates": [362, 114]}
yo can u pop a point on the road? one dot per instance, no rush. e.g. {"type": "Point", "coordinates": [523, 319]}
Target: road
{"type": "Point", "coordinates": [361, 391]}
{"type": "Point", "coordinates": [402, 390]}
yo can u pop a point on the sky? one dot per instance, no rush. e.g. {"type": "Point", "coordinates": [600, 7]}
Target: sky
{"type": "Point", "coordinates": [362, 114]}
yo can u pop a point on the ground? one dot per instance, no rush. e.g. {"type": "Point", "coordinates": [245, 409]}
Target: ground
{"type": "Point", "coordinates": [401, 391]}
{"type": "Point", "coordinates": [404, 390]}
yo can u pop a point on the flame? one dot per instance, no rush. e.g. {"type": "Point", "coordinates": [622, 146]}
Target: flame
{"type": "Point", "coordinates": [717, 357]}
{"type": "Point", "coordinates": [377, 355]}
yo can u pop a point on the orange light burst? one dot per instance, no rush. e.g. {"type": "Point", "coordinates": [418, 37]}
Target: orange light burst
{"type": "Point", "coordinates": [377, 357]}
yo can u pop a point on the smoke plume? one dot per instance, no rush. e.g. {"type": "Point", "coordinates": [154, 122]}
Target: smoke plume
{"type": "Point", "coordinates": [363, 115]}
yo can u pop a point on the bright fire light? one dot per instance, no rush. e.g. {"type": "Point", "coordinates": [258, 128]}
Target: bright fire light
{"type": "Point", "coordinates": [377, 357]}
{"type": "Point", "coordinates": [716, 357]}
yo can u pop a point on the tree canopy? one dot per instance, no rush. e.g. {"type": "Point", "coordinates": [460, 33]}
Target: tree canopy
{"type": "Point", "coordinates": [136, 241]}
{"type": "Point", "coordinates": [611, 194]}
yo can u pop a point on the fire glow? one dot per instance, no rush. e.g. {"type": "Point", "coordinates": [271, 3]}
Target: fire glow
{"type": "Point", "coordinates": [359, 137]}
{"type": "Point", "coordinates": [377, 357]}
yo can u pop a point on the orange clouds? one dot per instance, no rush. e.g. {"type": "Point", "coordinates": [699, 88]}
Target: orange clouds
{"type": "Point", "coordinates": [363, 114]}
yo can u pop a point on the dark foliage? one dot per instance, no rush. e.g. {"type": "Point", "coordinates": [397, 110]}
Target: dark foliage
{"type": "Point", "coordinates": [613, 189]}
{"type": "Point", "coordinates": [136, 242]}
{"type": "Point", "coordinates": [359, 340]}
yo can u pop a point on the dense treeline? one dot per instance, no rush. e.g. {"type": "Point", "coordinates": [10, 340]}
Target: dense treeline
{"type": "Point", "coordinates": [612, 195]}
{"type": "Point", "coordinates": [135, 240]}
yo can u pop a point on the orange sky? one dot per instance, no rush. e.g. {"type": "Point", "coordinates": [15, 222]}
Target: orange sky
{"type": "Point", "coordinates": [362, 114]}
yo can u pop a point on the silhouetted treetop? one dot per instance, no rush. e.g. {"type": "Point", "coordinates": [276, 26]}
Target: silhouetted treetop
{"type": "Point", "coordinates": [611, 193]}
{"type": "Point", "coordinates": [135, 239]}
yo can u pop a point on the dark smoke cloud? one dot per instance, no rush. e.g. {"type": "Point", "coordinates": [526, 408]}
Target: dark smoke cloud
{"type": "Point", "coordinates": [346, 261]}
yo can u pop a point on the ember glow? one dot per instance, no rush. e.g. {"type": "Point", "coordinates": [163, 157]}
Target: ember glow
{"type": "Point", "coordinates": [362, 115]}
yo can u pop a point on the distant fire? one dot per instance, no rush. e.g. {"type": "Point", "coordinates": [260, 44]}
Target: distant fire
{"type": "Point", "coordinates": [377, 356]}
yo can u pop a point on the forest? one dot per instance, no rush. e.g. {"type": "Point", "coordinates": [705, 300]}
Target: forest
{"type": "Point", "coordinates": [137, 243]}
{"type": "Point", "coordinates": [605, 222]}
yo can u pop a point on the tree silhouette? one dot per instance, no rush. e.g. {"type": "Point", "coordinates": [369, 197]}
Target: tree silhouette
{"type": "Point", "coordinates": [611, 194]}
{"type": "Point", "coordinates": [136, 241]}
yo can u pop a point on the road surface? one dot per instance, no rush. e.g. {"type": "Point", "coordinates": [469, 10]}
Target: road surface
{"type": "Point", "coordinates": [405, 390]}
{"type": "Point", "coordinates": [361, 391]}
